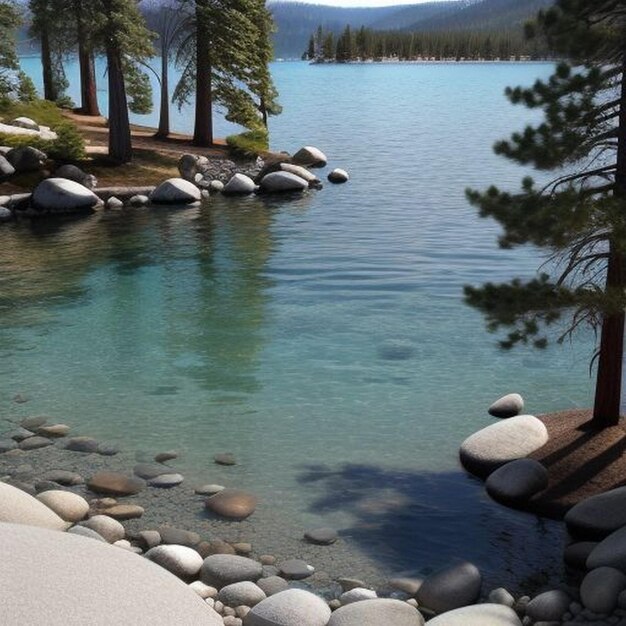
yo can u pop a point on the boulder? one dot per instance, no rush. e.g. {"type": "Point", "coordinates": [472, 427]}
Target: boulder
{"type": "Point", "coordinates": [450, 588]}
{"type": "Point", "coordinates": [178, 536]}
{"type": "Point", "coordinates": [478, 615]}
{"type": "Point", "coordinates": [232, 503]}
{"type": "Point", "coordinates": [549, 606]}
{"type": "Point", "coordinates": [290, 607]}
{"type": "Point", "coordinates": [81, 581]}
{"type": "Point", "coordinates": [34, 443]}
{"type": "Point", "coordinates": [338, 176]}
{"type": "Point", "coordinates": [71, 172]}
{"type": "Point", "coordinates": [115, 484]}
{"type": "Point", "coordinates": [377, 612]}
{"type": "Point", "coordinates": [517, 481]}
{"type": "Point", "coordinates": [494, 446]}
{"type": "Point", "coordinates": [310, 156]}
{"type": "Point", "coordinates": [283, 181]}
{"type": "Point", "coordinates": [239, 184]}
{"type": "Point", "coordinates": [182, 561]}
{"type": "Point", "coordinates": [242, 593]}
{"type": "Point", "coordinates": [611, 552]}
{"type": "Point", "coordinates": [576, 554]}
{"type": "Point", "coordinates": [18, 507]}
{"type": "Point", "coordinates": [507, 406]}
{"type": "Point", "coordinates": [82, 444]}
{"type": "Point", "coordinates": [107, 527]}
{"type": "Point", "coordinates": [358, 594]}
{"type": "Point", "coordinates": [25, 122]}
{"type": "Point", "coordinates": [114, 203]}
{"type": "Point", "coordinates": [272, 585]}
{"type": "Point", "coordinates": [26, 159]}
{"type": "Point", "coordinates": [301, 172]}
{"type": "Point", "coordinates": [321, 536]}
{"type": "Point", "coordinates": [598, 516]}
{"type": "Point", "coordinates": [6, 169]}
{"type": "Point", "coordinates": [67, 505]}
{"type": "Point", "coordinates": [59, 195]}
{"type": "Point", "coordinates": [600, 589]}
{"type": "Point", "coordinates": [175, 191]}
{"type": "Point", "coordinates": [219, 570]}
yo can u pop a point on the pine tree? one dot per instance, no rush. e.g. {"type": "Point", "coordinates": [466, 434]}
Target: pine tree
{"type": "Point", "coordinates": [580, 217]}
{"type": "Point", "coordinates": [9, 21]}
{"type": "Point", "coordinates": [84, 34]}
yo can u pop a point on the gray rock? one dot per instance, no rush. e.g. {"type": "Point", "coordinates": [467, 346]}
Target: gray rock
{"type": "Point", "coordinates": [138, 200]}
{"type": "Point", "coordinates": [376, 613]}
{"type": "Point", "coordinates": [290, 607]}
{"type": "Point", "coordinates": [450, 588]}
{"type": "Point", "coordinates": [82, 444]}
{"type": "Point", "coordinates": [357, 594]}
{"type": "Point", "coordinates": [225, 458]}
{"type": "Point", "coordinates": [600, 589]}
{"type": "Point", "coordinates": [295, 569]}
{"type": "Point", "coordinates": [310, 156]}
{"type": "Point", "coordinates": [166, 481]}
{"type": "Point", "coordinates": [272, 585]}
{"type": "Point", "coordinates": [168, 455]}
{"type": "Point", "coordinates": [46, 485]}
{"type": "Point", "coordinates": [321, 536]}
{"type": "Point", "coordinates": [178, 536]}
{"type": "Point", "coordinates": [104, 585]}
{"type": "Point", "coordinates": [406, 585]}
{"type": "Point", "coordinates": [6, 215]}
{"type": "Point", "coordinates": [151, 470]}
{"type": "Point", "coordinates": [34, 443]}
{"type": "Point", "coordinates": [208, 490]}
{"type": "Point", "coordinates": [67, 505]}
{"type": "Point", "coordinates": [478, 615]}
{"type": "Point", "coordinates": [53, 430]}
{"type": "Point", "coordinates": [239, 184]}
{"type": "Point", "coordinates": [189, 165]}
{"type": "Point", "coordinates": [59, 195]}
{"type": "Point", "coordinates": [6, 445]}
{"type": "Point", "coordinates": [175, 191]}
{"type": "Point", "coordinates": [517, 481]}
{"type": "Point", "coordinates": [33, 422]}
{"type": "Point", "coordinates": [71, 172]}
{"type": "Point", "coordinates": [501, 596]}
{"type": "Point", "coordinates": [83, 531]}
{"type": "Point", "coordinates": [216, 186]}
{"type": "Point", "coordinates": [243, 593]}
{"type": "Point", "coordinates": [220, 570]}
{"type": "Point", "coordinates": [302, 172]}
{"type": "Point", "coordinates": [18, 507]}
{"type": "Point", "coordinates": [25, 122]}
{"type": "Point", "coordinates": [6, 169]}
{"type": "Point", "coordinates": [21, 433]}
{"type": "Point", "coordinates": [610, 552]}
{"type": "Point", "coordinates": [575, 555]}
{"type": "Point", "coordinates": [507, 406]}
{"type": "Point", "coordinates": [114, 203]}
{"type": "Point", "coordinates": [283, 181]}
{"type": "Point", "coordinates": [182, 561]}
{"type": "Point", "coordinates": [598, 516]}
{"type": "Point", "coordinates": [107, 527]}
{"type": "Point", "coordinates": [549, 606]}
{"type": "Point", "coordinates": [494, 446]}
{"type": "Point", "coordinates": [338, 176]}
{"type": "Point", "coordinates": [107, 449]}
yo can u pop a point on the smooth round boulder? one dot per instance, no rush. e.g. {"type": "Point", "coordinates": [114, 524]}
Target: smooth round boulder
{"type": "Point", "coordinates": [272, 585]}
{"type": "Point", "coordinates": [338, 176]}
{"type": "Point", "coordinates": [71, 172]}
{"type": "Point", "coordinates": [219, 570]}
{"type": "Point", "coordinates": [517, 481]}
{"type": "Point", "coordinates": [576, 554]}
{"type": "Point", "coordinates": [82, 444]}
{"type": "Point", "coordinates": [478, 615]}
{"type": "Point", "coordinates": [377, 612]}
{"type": "Point", "coordinates": [175, 191]}
{"type": "Point", "coordinates": [115, 484]}
{"type": "Point", "coordinates": [239, 184]}
{"type": "Point", "coordinates": [232, 503]}
{"type": "Point", "coordinates": [182, 561]}
{"type": "Point", "coordinates": [282, 181]}
{"type": "Point", "coordinates": [321, 536]}
{"type": "Point", "coordinates": [290, 607]}
{"type": "Point", "coordinates": [6, 169]}
{"type": "Point", "coordinates": [598, 516]}
{"type": "Point", "coordinates": [358, 594]}
{"type": "Point", "coordinates": [498, 444]}
{"type": "Point", "coordinates": [302, 172]}
{"type": "Point", "coordinates": [25, 122]}
{"type": "Point", "coordinates": [600, 589]}
{"type": "Point", "coordinates": [450, 588]}
{"type": "Point", "coordinates": [107, 527]}
{"type": "Point", "coordinates": [102, 584]}
{"type": "Point", "coordinates": [507, 406]}
{"type": "Point", "coordinates": [151, 470]}
{"type": "Point", "coordinates": [243, 593]}
{"type": "Point", "coordinates": [60, 195]}
{"type": "Point", "coordinates": [549, 606]}
{"type": "Point", "coordinates": [18, 507]}
{"type": "Point", "coordinates": [67, 505]}
{"type": "Point", "coordinates": [310, 156]}
{"type": "Point", "coordinates": [610, 552]}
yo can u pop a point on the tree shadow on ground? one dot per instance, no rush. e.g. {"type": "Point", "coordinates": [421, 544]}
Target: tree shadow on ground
{"type": "Point", "coordinates": [412, 523]}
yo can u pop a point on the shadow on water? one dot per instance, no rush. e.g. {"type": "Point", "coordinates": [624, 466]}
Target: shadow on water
{"type": "Point", "coordinates": [413, 523]}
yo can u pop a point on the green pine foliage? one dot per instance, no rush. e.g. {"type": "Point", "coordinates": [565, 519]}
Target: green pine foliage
{"type": "Point", "coordinates": [9, 21]}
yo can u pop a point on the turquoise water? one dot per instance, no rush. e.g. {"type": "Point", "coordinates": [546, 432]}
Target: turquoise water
{"type": "Point", "coordinates": [321, 339]}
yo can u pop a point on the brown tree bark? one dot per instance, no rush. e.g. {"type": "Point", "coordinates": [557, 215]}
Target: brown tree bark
{"type": "Point", "coordinates": [88, 92]}
{"type": "Point", "coordinates": [164, 114]}
{"type": "Point", "coordinates": [120, 147]}
{"type": "Point", "coordinates": [49, 91]}
{"type": "Point", "coordinates": [203, 124]}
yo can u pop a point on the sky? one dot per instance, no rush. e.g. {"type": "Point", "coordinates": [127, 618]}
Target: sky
{"type": "Point", "coordinates": [362, 3]}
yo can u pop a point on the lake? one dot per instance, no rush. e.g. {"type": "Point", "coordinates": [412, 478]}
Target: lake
{"type": "Point", "coordinates": [323, 340]}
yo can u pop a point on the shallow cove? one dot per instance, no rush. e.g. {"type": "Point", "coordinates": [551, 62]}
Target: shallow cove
{"type": "Point", "coordinates": [322, 339]}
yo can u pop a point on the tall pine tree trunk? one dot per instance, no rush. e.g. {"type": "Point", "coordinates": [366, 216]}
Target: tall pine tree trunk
{"type": "Point", "coordinates": [606, 409]}
{"type": "Point", "coordinates": [203, 125]}
{"type": "Point", "coordinates": [164, 115]}
{"type": "Point", "coordinates": [88, 93]}
{"type": "Point", "coordinates": [49, 91]}
{"type": "Point", "coordinates": [120, 147]}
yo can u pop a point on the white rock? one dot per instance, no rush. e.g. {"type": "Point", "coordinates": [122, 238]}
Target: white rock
{"type": "Point", "coordinates": [102, 585]}
{"type": "Point", "coordinates": [599, 515]}
{"type": "Point", "coordinates": [356, 595]}
{"type": "Point", "coordinates": [310, 156]}
{"type": "Point", "coordinates": [450, 588]}
{"type": "Point", "coordinates": [6, 169]}
{"type": "Point", "coordinates": [600, 589]}
{"type": "Point", "coordinates": [67, 505]}
{"type": "Point", "coordinates": [288, 608]}
{"type": "Point", "coordinates": [239, 184]}
{"type": "Point", "coordinates": [517, 481]}
{"type": "Point", "coordinates": [549, 606]}
{"type": "Point", "coordinates": [283, 181]}
{"type": "Point", "coordinates": [376, 613]}
{"type": "Point", "coordinates": [216, 186]}
{"type": "Point", "coordinates": [107, 527]}
{"type": "Point", "coordinates": [242, 593]}
{"type": "Point", "coordinates": [182, 561]}
{"type": "Point", "coordinates": [59, 195]}
{"type": "Point", "coordinates": [165, 481]}
{"type": "Point", "coordinates": [114, 203]}
{"type": "Point", "coordinates": [300, 171]}
{"type": "Point", "coordinates": [204, 591]}
{"type": "Point", "coordinates": [175, 191]}
{"type": "Point", "coordinates": [25, 122]}
{"type": "Point", "coordinates": [478, 615]}
{"type": "Point", "coordinates": [507, 406]}
{"type": "Point", "coordinates": [495, 445]}
{"type": "Point", "coordinates": [139, 200]}
{"type": "Point", "coordinates": [338, 176]}
{"type": "Point", "coordinates": [17, 507]}
{"type": "Point", "coordinates": [11, 129]}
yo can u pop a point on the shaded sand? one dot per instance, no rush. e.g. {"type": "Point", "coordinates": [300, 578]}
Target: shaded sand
{"type": "Point", "coordinates": [580, 462]}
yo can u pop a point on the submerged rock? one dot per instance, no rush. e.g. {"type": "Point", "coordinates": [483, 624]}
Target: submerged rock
{"type": "Point", "coordinates": [115, 484]}
{"type": "Point", "coordinates": [232, 503]}
{"type": "Point", "coordinates": [450, 588]}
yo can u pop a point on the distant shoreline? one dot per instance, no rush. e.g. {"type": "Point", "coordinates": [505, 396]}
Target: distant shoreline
{"type": "Point", "coordinates": [432, 62]}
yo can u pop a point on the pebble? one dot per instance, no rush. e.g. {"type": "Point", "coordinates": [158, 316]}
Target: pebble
{"type": "Point", "coordinates": [321, 536]}
{"type": "Point", "coordinates": [166, 481]}
{"type": "Point", "coordinates": [67, 505]}
{"type": "Point", "coordinates": [107, 527]}
{"type": "Point", "coordinates": [46, 485]}
{"type": "Point", "coordinates": [83, 531]}
{"type": "Point", "coordinates": [34, 443]}
{"type": "Point", "coordinates": [267, 559]}
{"type": "Point", "coordinates": [208, 490]}
{"type": "Point", "coordinates": [204, 591]}
{"type": "Point", "coordinates": [207, 548]}
{"type": "Point", "coordinates": [169, 455]}
{"type": "Point", "coordinates": [107, 449]}
{"type": "Point", "coordinates": [82, 444]}
{"type": "Point", "coordinates": [295, 569]}
{"type": "Point", "coordinates": [181, 561]}
{"type": "Point", "coordinates": [225, 458]}
{"type": "Point", "coordinates": [178, 536]}
{"type": "Point", "coordinates": [242, 548]}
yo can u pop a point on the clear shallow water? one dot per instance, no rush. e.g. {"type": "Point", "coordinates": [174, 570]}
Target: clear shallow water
{"type": "Point", "coordinates": [322, 339]}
